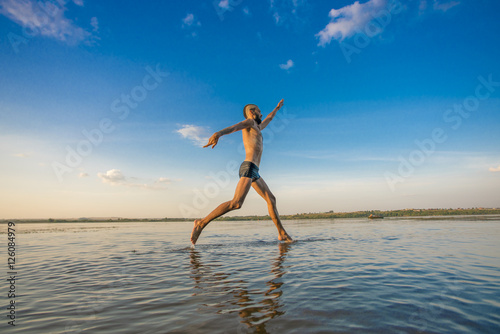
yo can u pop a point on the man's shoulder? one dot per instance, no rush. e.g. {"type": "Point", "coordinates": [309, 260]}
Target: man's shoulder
{"type": "Point", "coordinates": [248, 121]}
{"type": "Point", "coordinates": [250, 124]}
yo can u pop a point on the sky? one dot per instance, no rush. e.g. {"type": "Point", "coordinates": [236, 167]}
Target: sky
{"type": "Point", "coordinates": [105, 106]}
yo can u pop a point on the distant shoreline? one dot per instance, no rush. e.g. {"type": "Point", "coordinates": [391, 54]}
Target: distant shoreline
{"type": "Point", "coordinates": [323, 215]}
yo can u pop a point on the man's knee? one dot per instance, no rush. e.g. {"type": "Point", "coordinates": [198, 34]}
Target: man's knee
{"type": "Point", "coordinates": [271, 199]}
{"type": "Point", "coordinates": [236, 204]}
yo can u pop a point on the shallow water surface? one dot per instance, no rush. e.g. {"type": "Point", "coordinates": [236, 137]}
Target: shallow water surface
{"type": "Point", "coordinates": [340, 276]}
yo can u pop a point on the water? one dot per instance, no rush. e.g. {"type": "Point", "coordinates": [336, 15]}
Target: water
{"type": "Point", "coordinates": [340, 276]}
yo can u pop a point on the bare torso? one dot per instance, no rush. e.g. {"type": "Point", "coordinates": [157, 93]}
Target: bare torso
{"type": "Point", "coordinates": [252, 140]}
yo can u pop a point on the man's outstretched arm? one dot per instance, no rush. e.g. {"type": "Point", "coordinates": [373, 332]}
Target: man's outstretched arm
{"type": "Point", "coordinates": [230, 129]}
{"type": "Point", "coordinates": [271, 115]}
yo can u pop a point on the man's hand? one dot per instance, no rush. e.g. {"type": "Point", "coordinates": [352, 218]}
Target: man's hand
{"type": "Point", "coordinates": [213, 140]}
{"type": "Point", "coordinates": [271, 115]}
{"type": "Point", "coordinates": [280, 104]}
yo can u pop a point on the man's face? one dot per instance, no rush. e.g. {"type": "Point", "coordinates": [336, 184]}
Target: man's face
{"type": "Point", "coordinates": [256, 114]}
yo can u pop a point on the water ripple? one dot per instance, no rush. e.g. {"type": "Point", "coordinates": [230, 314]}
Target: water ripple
{"type": "Point", "coordinates": [346, 276]}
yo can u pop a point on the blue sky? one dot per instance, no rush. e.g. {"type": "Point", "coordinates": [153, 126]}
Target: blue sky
{"type": "Point", "coordinates": [388, 105]}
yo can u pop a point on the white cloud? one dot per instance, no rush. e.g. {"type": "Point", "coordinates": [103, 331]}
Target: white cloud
{"type": "Point", "coordinates": [46, 19]}
{"type": "Point", "coordinates": [436, 5]}
{"type": "Point", "coordinates": [347, 21]}
{"type": "Point", "coordinates": [158, 184]}
{"type": "Point", "coordinates": [289, 64]}
{"type": "Point", "coordinates": [112, 176]}
{"type": "Point", "coordinates": [197, 134]}
{"type": "Point", "coordinates": [246, 11]}
{"type": "Point", "coordinates": [189, 21]}
{"type": "Point", "coordinates": [115, 177]}
{"type": "Point", "coordinates": [224, 4]}
{"type": "Point", "coordinates": [277, 18]}
{"type": "Point", "coordinates": [445, 6]}
{"type": "Point", "coordinates": [163, 180]}
{"type": "Point", "coordinates": [494, 170]}
{"type": "Point", "coordinates": [78, 2]}
{"type": "Point", "coordinates": [94, 23]}
{"type": "Point", "coordinates": [21, 155]}
{"type": "Point", "coordinates": [82, 175]}
{"type": "Point", "coordinates": [288, 10]}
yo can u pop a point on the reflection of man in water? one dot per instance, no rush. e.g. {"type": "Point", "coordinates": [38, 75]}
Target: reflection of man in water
{"type": "Point", "coordinates": [251, 128]}
{"type": "Point", "coordinates": [218, 288]}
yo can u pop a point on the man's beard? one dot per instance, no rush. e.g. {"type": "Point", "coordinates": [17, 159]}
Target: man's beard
{"type": "Point", "coordinates": [258, 120]}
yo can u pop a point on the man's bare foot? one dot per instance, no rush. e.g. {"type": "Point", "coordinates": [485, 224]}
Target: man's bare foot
{"type": "Point", "coordinates": [198, 227]}
{"type": "Point", "coordinates": [285, 238]}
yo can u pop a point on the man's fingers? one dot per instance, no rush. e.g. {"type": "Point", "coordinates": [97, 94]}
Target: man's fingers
{"type": "Point", "coordinates": [280, 103]}
{"type": "Point", "coordinates": [212, 141]}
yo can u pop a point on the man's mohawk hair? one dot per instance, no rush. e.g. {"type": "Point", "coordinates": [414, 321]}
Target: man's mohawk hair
{"type": "Point", "coordinates": [245, 109]}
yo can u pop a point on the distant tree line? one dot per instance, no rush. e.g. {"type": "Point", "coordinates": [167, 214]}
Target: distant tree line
{"type": "Point", "coordinates": [388, 213]}
{"type": "Point", "coordinates": [321, 215]}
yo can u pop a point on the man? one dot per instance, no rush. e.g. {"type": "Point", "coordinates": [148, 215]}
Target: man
{"type": "Point", "coordinates": [251, 128]}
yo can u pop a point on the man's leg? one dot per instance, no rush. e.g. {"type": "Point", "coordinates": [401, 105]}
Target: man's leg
{"type": "Point", "coordinates": [261, 187]}
{"type": "Point", "coordinates": [239, 197]}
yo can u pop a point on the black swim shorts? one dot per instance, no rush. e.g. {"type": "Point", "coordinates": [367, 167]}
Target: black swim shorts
{"type": "Point", "coordinates": [249, 169]}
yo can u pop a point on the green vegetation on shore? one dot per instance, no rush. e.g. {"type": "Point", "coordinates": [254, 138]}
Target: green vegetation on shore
{"type": "Point", "coordinates": [388, 213]}
{"type": "Point", "coordinates": [324, 215]}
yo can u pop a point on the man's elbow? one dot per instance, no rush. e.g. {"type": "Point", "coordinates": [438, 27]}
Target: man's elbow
{"type": "Point", "coordinates": [268, 119]}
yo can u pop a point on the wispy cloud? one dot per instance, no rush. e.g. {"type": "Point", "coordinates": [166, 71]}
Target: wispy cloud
{"type": "Point", "coordinates": [189, 21]}
{"type": "Point", "coordinates": [445, 5]}
{"type": "Point", "coordinates": [347, 21]}
{"type": "Point", "coordinates": [495, 170]}
{"type": "Point", "coordinates": [288, 65]}
{"type": "Point", "coordinates": [115, 177]}
{"type": "Point", "coordinates": [197, 134]}
{"type": "Point", "coordinates": [349, 157]}
{"type": "Point", "coordinates": [224, 4]}
{"type": "Point", "coordinates": [277, 18]}
{"type": "Point", "coordinates": [47, 19]}
{"type": "Point", "coordinates": [425, 6]}
{"type": "Point", "coordinates": [82, 175]}
{"type": "Point", "coordinates": [94, 23]}
{"type": "Point", "coordinates": [21, 155]}
{"type": "Point", "coordinates": [284, 11]}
